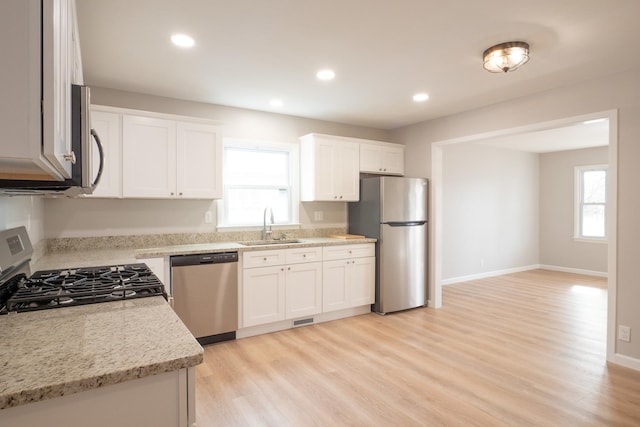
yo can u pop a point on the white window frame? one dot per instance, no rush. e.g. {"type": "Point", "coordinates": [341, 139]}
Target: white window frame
{"type": "Point", "coordinates": [294, 176]}
{"type": "Point", "coordinates": [578, 204]}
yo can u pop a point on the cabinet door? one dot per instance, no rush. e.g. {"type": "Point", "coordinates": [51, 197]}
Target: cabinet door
{"type": "Point", "coordinates": [393, 160]}
{"type": "Point", "coordinates": [263, 291]}
{"type": "Point", "coordinates": [107, 126]}
{"type": "Point", "coordinates": [384, 159]}
{"type": "Point", "coordinates": [148, 157]}
{"type": "Point", "coordinates": [370, 158]}
{"type": "Point", "coordinates": [57, 57]}
{"type": "Point", "coordinates": [303, 290]}
{"type": "Point", "coordinates": [326, 176]}
{"type": "Point", "coordinates": [349, 172]}
{"type": "Point", "coordinates": [362, 283]}
{"type": "Point", "coordinates": [335, 285]}
{"type": "Point", "coordinates": [199, 161]}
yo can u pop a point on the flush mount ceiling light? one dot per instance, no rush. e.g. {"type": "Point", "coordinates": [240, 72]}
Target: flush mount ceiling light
{"type": "Point", "coordinates": [505, 57]}
{"type": "Point", "coordinates": [182, 40]}
{"type": "Point", "coordinates": [276, 102]}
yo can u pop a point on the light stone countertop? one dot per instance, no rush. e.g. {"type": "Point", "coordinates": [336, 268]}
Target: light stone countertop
{"type": "Point", "coordinates": [51, 353]}
{"type": "Point", "coordinates": [238, 246]}
{"type": "Point", "coordinates": [65, 351]}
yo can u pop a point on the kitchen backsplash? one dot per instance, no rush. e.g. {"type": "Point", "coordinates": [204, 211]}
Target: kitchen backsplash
{"type": "Point", "coordinates": [159, 240]}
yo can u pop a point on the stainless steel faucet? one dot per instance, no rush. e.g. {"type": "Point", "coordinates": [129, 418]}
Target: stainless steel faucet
{"type": "Point", "coordinates": [266, 234]}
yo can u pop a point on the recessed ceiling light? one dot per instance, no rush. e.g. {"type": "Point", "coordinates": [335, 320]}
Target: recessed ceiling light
{"type": "Point", "coordinates": [276, 102]}
{"type": "Point", "coordinates": [326, 74]}
{"type": "Point", "coordinates": [420, 97]}
{"type": "Point", "coordinates": [182, 40]}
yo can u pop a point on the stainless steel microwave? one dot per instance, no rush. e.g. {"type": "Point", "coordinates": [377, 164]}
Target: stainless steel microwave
{"type": "Point", "coordinates": [82, 179]}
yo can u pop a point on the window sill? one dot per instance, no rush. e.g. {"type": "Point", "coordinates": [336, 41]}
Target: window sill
{"type": "Point", "coordinates": [588, 240]}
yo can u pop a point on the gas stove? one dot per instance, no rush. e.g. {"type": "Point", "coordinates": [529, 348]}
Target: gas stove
{"type": "Point", "coordinates": [48, 289]}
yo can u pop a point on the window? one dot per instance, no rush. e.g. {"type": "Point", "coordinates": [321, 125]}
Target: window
{"type": "Point", "coordinates": [591, 202]}
{"type": "Point", "coordinates": [256, 176]}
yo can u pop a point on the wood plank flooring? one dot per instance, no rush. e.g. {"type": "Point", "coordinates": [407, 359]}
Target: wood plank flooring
{"type": "Point", "coordinates": [525, 349]}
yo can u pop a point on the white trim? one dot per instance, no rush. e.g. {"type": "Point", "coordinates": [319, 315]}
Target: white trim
{"type": "Point", "coordinates": [612, 233]}
{"type": "Point", "coordinates": [495, 273]}
{"type": "Point", "coordinates": [626, 361]}
{"type": "Point", "coordinates": [574, 270]}
{"type": "Point", "coordinates": [588, 240]}
{"type": "Point", "coordinates": [486, 274]}
{"type": "Point", "coordinates": [435, 257]}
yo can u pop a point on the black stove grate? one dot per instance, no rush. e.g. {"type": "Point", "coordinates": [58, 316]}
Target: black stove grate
{"type": "Point", "coordinates": [63, 288]}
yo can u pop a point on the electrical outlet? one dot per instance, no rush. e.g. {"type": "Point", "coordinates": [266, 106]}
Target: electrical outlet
{"type": "Point", "coordinates": [624, 333]}
{"type": "Point", "coordinates": [208, 217]}
{"type": "Point", "coordinates": [317, 215]}
{"type": "Point", "coordinates": [481, 262]}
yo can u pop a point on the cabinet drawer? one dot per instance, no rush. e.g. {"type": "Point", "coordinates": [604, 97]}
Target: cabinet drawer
{"type": "Point", "coordinates": [263, 258]}
{"type": "Point", "coordinates": [348, 251]}
{"type": "Point", "coordinates": [299, 255]}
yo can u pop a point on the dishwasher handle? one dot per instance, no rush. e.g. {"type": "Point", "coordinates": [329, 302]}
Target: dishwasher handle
{"type": "Point", "coordinates": [213, 258]}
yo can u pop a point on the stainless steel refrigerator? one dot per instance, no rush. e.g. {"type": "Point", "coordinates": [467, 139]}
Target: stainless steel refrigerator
{"type": "Point", "coordinates": [394, 211]}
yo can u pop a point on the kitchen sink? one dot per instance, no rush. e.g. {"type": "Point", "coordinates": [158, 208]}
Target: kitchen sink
{"type": "Point", "coordinates": [269, 242]}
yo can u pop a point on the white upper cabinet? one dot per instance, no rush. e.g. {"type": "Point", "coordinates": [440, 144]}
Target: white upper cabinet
{"type": "Point", "coordinates": [148, 157]}
{"type": "Point", "coordinates": [39, 40]}
{"type": "Point", "coordinates": [381, 158]}
{"type": "Point", "coordinates": [329, 169]}
{"type": "Point", "coordinates": [109, 129]}
{"type": "Point", "coordinates": [199, 161]}
{"type": "Point", "coordinates": [164, 158]}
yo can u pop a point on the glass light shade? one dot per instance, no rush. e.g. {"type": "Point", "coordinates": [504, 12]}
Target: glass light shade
{"type": "Point", "coordinates": [506, 57]}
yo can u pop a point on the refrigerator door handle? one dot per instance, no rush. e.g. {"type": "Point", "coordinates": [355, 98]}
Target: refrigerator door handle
{"type": "Point", "coordinates": [405, 224]}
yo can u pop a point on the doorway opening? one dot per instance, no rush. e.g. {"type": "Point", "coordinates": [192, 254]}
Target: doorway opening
{"type": "Point", "coordinates": [438, 215]}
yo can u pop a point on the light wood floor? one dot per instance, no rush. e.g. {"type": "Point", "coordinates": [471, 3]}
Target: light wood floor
{"type": "Point", "coordinates": [516, 350]}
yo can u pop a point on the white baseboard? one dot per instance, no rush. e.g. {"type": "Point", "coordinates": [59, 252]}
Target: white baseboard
{"type": "Point", "coordinates": [520, 269]}
{"type": "Point", "coordinates": [574, 270]}
{"type": "Point", "coordinates": [486, 274]}
{"type": "Point", "coordinates": [626, 361]}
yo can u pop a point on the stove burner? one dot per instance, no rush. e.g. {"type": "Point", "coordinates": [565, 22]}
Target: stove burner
{"type": "Point", "coordinates": [123, 293]}
{"type": "Point", "coordinates": [58, 288]}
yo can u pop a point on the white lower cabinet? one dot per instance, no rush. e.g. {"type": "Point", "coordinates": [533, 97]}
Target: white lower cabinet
{"type": "Point", "coordinates": [300, 282]}
{"type": "Point", "coordinates": [263, 295]}
{"type": "Point", "coordinates": [281, 284]}
{"type": "Point", "coordinates": [348, 276]}
{"type": "Point", "coordinates": [303, 290]}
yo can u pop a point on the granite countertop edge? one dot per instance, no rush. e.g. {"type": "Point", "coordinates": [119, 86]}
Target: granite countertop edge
{"type": "Point", "coordinates": [37, 365]}
{"type": "Point", "coordinates": [75, 386]}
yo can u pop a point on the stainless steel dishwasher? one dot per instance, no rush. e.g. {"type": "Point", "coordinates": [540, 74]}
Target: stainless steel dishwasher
{"type": "Point", "coordinates": [205, 294]}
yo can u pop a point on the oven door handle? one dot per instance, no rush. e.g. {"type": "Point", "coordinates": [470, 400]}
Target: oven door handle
{"type": "Point", "coordinates": [96, 138]}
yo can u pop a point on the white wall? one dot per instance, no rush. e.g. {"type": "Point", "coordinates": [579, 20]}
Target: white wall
{"type": "Point", "coordinates": [94, 217]}
{"type": "Point", "coordinates": [557, 245]}
{"type": "Point", "coordinates": [490, 210]}
{"type": "Point", "coordinates": [621, 92]}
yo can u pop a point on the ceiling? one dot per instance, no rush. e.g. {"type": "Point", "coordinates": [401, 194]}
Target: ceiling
{"type": "Point", "coordinates": [250, 51]}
